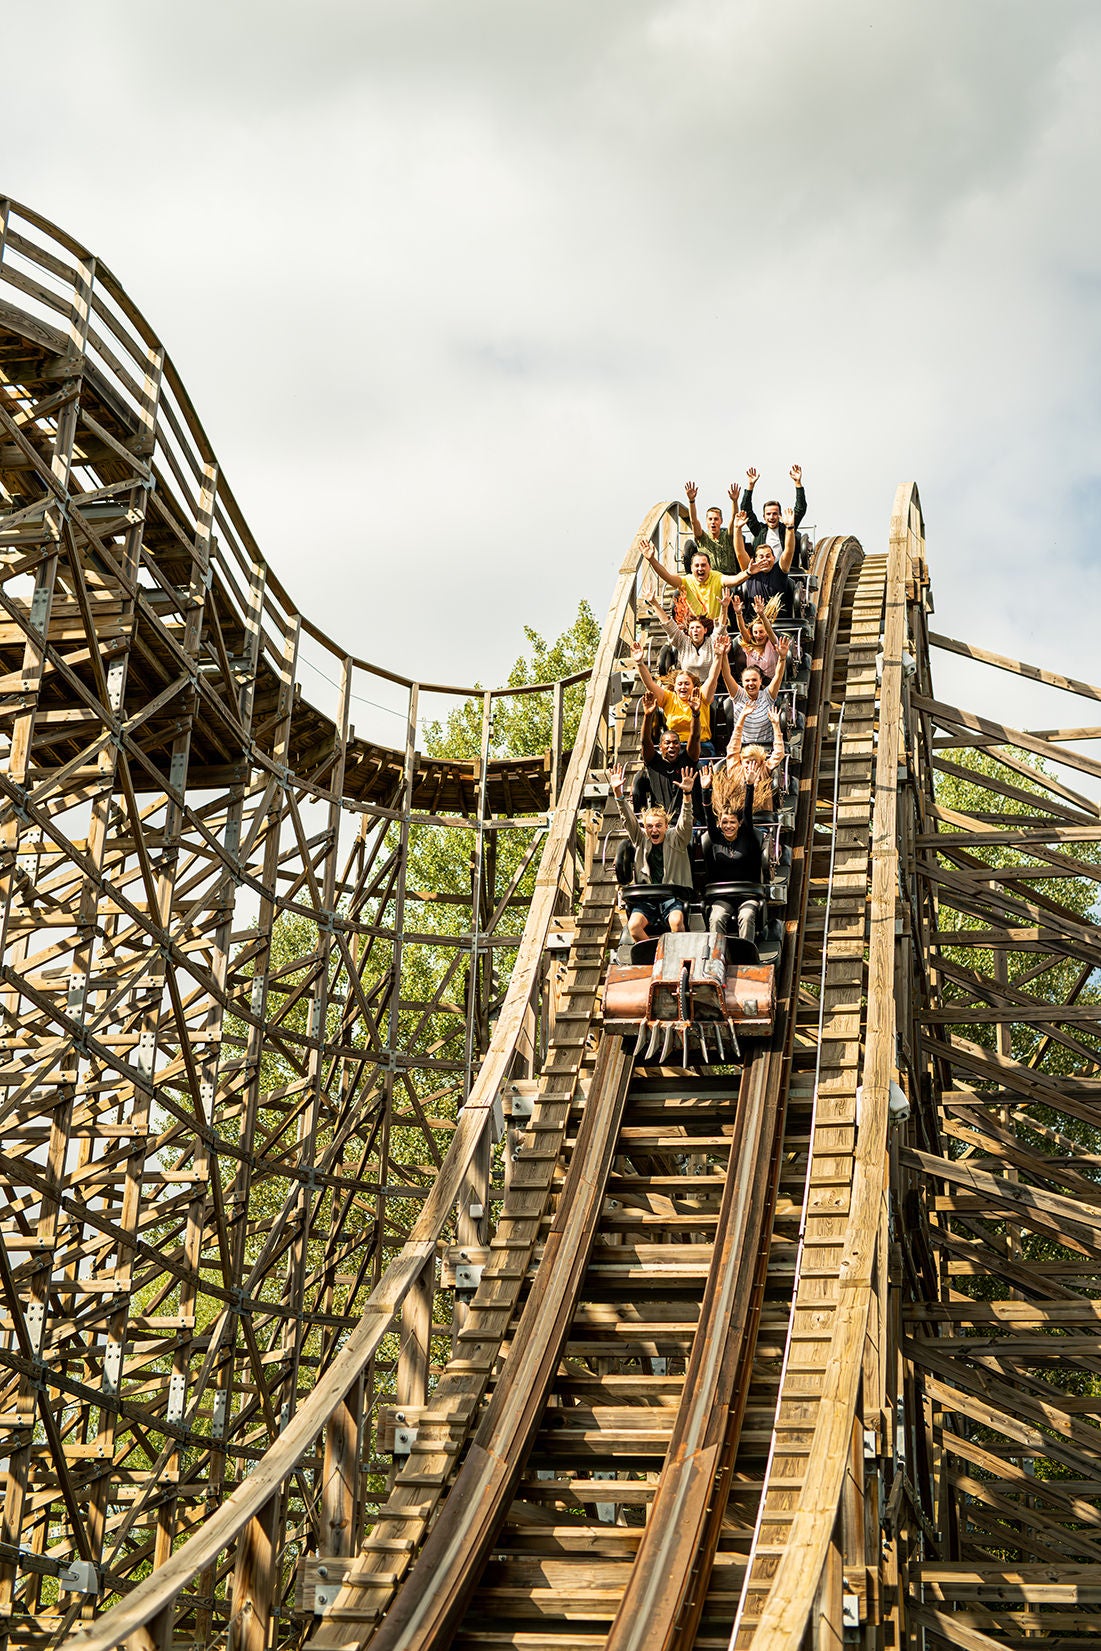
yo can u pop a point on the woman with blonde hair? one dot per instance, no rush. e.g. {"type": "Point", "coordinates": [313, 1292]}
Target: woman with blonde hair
{"type": "Point", "coordinates": [759, 640]}
{"type": "Point", "coordinates": [748, 765]}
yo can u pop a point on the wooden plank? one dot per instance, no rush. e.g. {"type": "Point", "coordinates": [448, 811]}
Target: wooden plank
{"type": "Point", "coordinates": [1004, 662]}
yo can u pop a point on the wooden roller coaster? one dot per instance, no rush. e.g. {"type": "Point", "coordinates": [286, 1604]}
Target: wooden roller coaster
{"type": "Point", "coordinates": [356, 1288]}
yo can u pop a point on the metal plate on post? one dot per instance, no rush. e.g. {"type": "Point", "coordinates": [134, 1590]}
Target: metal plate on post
{"type": "Point", "coordinates": [80, 1576]}
{"type": "Point", "coordinates": [405, 1437]}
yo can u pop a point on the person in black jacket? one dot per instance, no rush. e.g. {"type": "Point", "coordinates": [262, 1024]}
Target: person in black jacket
{"type": "Point", "coordinates": [766, 573]}
{"type": "Point", "coordinates": [731, 854]}
{"type": "Point", "coordinates": [657, 783]}
{"type": "Point", "coordinates": [768, 532]}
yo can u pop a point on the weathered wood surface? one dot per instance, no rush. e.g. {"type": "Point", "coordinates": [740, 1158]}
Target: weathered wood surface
{"type": "Point", "coordinates": [1000, 1259]}
{"type": "Point", "coordinates": [826, 1350]}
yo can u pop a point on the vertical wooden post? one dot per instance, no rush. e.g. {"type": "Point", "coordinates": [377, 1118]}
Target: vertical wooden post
{"type": "Point", "coordinates": [340, 1474]}
{"type": "Point", "coordinates": [477, 872]}
{"type": "Point", "coordinates": [254, 1581]}
{"type": "Point", "coordinates": [557, 708]}
{"type": "Point", "coordinates": [414, 1347]}
{"type": "Point", "coordinates": [156, 1634]}
{"type": "Point", "coordinates": [827, 1630]}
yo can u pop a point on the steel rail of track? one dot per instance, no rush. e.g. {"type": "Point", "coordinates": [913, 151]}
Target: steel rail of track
{"type": "Point", "coordinates": [678, 1547]}
{"type": "Point", "coordinates": [792, 1588]}
{"type": "Point", "coordinates": [428, 1606]}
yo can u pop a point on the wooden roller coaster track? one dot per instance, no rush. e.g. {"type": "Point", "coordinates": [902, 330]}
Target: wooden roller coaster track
{"type": "Point", "coordinates": [355, 1290]}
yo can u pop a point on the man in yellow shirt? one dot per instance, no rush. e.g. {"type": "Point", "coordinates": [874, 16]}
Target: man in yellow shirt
{"type": "Point", "coordinates": [703, 587]}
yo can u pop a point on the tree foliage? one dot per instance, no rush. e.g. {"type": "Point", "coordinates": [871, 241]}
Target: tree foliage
{"type": "Point", "coordinates": [522, 726]}
{"type": "Point", "coordinates": [1060, 895]}
{"type": "Point", "coordinates": [435, 979]}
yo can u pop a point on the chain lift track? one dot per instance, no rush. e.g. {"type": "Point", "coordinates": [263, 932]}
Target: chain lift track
{"type": "Point", "coordinates": [355, 1289]}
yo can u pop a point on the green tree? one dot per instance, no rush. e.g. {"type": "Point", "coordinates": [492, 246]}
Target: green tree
{"type": "Point", "coordinates": [986, 789]}
{"type": "Point", "coordinates": [522, 726]}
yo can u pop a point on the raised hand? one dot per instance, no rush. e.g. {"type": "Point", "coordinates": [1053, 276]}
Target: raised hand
{"type": "Point", "coordinates": [788, 518]}
{"type": "Point", "coordinates": [722, 643]}
{"type": "Point", "coordinates": [615, 776]}
{"type": "Point", "coordinates": [695, 698]}
{"type": "Point", "coordinates": [782, 645]}
{"type": "Point", "coordinates": [637, 651]}
{"type": "Point", "coordinates": [751, 478]}
{"type": "Point", "coordinates": [759, 605]}
{"type": "Point", "coordinates": [774, 718]}
{"type": "Point", "coordinates": [742, 714]}
{"type": "Point", "coordinates": [741, 518]}
{"type": "Point", "coordinates": [733, 493]}
{"type": "Point", "coordinates": [796, 474]}
{"type": "Point", "coordinates": [705, 776]}
{"type": "Point", "coordinates": [737, 604]}
{"type": "Point", "coordinates": [687, 780]}
{"type": "Point", "coordinates": [690, 491]}
{"type": "Point", "coordinates": [644, 547]}
{"type": "Point", "coordinates": [649, 704]}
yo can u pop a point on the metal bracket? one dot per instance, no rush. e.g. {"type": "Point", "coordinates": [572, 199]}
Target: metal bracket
{"type": "Point", "coordinates": [146, 1051]}
{"type": "Point", "coordinates": [850, 1611]}
{"type": "Point", "coordinates": [177, 1397]}
{"type": "Point", "coordinates": [80, 1576]}
{"type": "Point", "coordinates": [40, 607]}
{"type": "Point", "coordinates": [468, 1276]}
{"type": "Point", "coordinates": [521, 1106]}
{"type": "Point", "coordinates": [34, 1316]}
{"type": "Point", "coordinates": [405, 1437]}
{"type": "Point", "coordinates": [78, 986]}
{"type": "Point", "coordinates": [112, 1367]}
{"type": "Point", "coordinates": [116, 672]}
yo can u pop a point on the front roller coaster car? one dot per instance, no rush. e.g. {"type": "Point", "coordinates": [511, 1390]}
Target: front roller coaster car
{"type": "Point", "coordinates": [694, 991]}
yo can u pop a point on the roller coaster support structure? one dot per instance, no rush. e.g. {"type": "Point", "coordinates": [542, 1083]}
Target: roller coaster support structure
{"type": "Point", "coordinates": [355, 1289]}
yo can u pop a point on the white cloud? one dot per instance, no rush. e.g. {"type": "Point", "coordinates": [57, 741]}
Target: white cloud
{"type": "Point", "coordinates": [459, 290]}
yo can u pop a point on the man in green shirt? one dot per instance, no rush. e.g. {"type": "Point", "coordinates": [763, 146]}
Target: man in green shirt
{"type": "Point", "coordinates": [715, 539]}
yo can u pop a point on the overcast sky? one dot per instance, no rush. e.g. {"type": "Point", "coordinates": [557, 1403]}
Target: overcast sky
{"type": "Point", "coordinates": [461, 287]}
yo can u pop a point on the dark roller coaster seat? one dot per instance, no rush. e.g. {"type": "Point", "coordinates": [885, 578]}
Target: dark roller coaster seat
{"type": "Point", "coordinates": [740, 951]}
